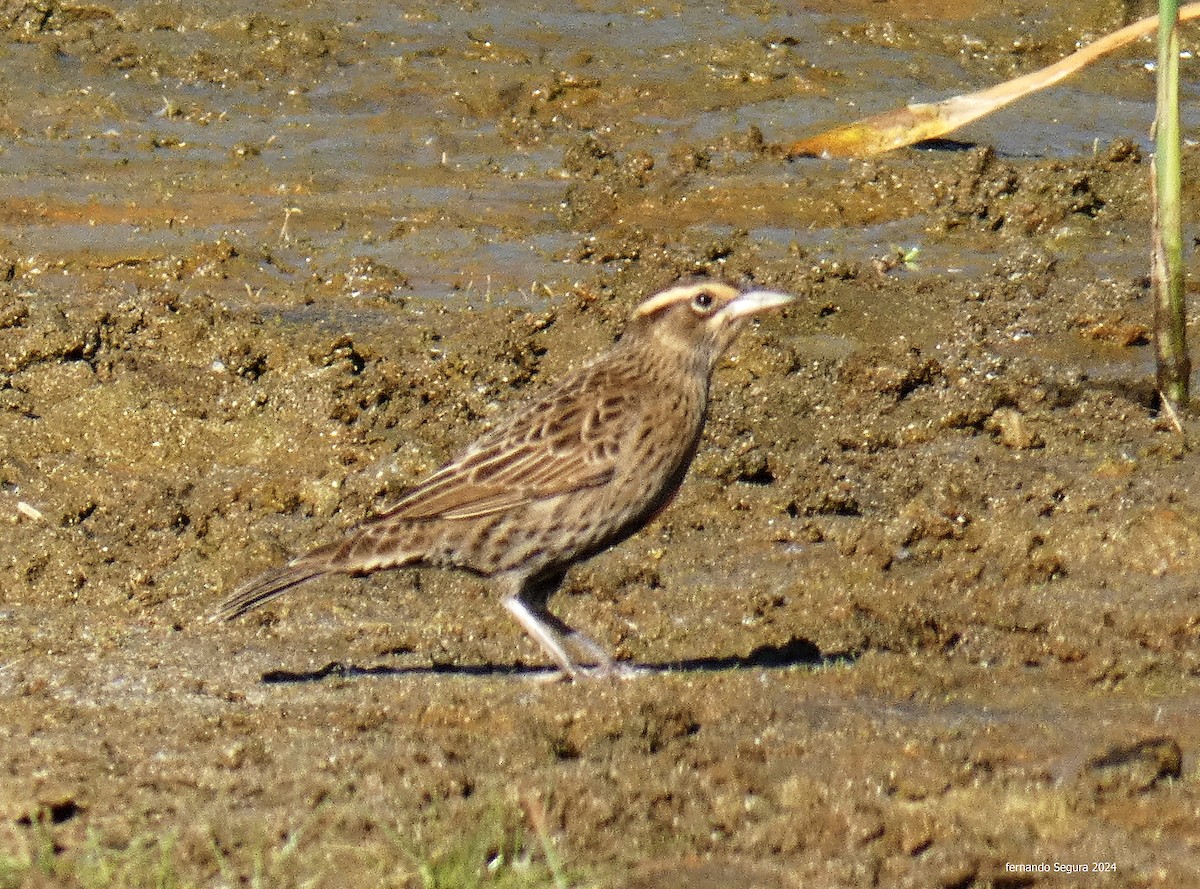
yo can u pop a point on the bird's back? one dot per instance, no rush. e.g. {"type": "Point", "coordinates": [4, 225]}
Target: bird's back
{"type": "Point", "coordinates": [572, 473]}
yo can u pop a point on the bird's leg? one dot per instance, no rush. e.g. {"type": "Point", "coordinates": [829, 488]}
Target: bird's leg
{"type": "Point", "coordinates": [556, 637]}
{"type": "Point", "coordinates": [545, 635]}
{"type": "Point", "coordinates": [604, 666]}
{"type": "Point", "coordinates": [591, 650]}
{"type": "Point", "coordinates": [527, 603]}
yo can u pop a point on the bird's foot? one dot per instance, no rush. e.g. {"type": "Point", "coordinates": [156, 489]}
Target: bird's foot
{"type": "Point", "coordinates": [612, 671]}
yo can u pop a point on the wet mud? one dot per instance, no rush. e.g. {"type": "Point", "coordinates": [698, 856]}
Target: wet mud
{"type": "Point", "coordinates": [925, 612]}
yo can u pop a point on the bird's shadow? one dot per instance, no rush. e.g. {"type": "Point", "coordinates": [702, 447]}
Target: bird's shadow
{"type": "Point", "coordinates": [796, 652]}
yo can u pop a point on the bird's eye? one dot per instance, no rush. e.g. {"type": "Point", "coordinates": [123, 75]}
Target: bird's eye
{"type": "Point", "coordinates": [702, 302]}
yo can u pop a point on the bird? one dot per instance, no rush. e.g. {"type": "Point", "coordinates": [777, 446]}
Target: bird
{"type": "Point", "coordinates": [568, 475]}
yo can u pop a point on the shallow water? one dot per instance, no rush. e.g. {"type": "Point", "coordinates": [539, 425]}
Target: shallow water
{"type": "Point", "coordinates": [431, 138]}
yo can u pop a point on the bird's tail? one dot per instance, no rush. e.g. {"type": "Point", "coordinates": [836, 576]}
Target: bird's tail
{"type": "Point", "coordinates": [265, 587]}
{"type": "Point", "coordinates": [357, 555]}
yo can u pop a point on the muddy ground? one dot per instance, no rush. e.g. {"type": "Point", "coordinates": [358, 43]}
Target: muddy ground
{"type": "Point", "coordinates": [925, 610]}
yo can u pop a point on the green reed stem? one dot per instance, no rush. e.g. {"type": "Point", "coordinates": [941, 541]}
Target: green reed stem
{"type": "Point", "coordinates": [1174, 365]}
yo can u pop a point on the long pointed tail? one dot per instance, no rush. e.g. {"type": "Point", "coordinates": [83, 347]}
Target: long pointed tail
{"type": "Point", "coordinates": [267, 586]}
{"type": "Point", "coordinates": [370, 549]}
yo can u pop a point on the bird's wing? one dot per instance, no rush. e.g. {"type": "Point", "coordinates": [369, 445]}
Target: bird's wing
{"type": "Point", "coordinates": [568, 441]}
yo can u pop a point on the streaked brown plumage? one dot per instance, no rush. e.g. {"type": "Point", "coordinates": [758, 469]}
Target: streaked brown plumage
{"type": "Point", "coordinates": [567, 476]}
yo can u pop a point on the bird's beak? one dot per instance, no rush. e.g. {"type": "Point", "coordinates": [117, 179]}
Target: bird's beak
{"type": "Point", "coordinates": [753, 302]}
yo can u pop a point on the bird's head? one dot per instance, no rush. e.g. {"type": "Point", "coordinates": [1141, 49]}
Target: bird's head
{"type": "Point", "coordinates": [699, 321]}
